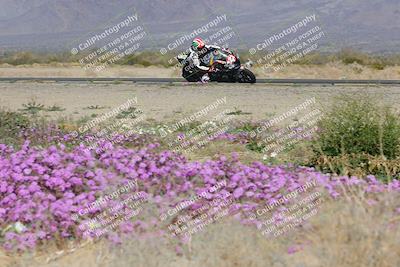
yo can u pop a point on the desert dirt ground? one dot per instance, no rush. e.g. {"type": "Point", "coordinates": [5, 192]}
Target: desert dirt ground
{"type": "Point", "coordinates": [332, 70]}
{"type": "Point", "coordinates": [171, 102]}
{"type": "Point", "coordinates": [225, 244]}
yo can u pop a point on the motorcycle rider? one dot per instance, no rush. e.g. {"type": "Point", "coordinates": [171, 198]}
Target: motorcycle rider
{"type": "Point", "coordinates": [198, 50]}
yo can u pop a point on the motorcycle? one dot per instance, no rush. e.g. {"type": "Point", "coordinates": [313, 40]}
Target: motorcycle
{"type": "Point", "coordinates": [224, 66]}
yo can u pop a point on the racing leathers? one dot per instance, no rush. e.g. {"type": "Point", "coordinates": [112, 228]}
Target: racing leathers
{"type": "Point", "coordinates": [197, 59]}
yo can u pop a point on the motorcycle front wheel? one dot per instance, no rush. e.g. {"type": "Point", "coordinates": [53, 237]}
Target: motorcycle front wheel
{"type": "Point", "coordinates": [246, 76]}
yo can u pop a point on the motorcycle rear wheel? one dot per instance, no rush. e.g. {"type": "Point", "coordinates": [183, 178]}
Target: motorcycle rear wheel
{"type": "Point", "coordinates": [191, 75]}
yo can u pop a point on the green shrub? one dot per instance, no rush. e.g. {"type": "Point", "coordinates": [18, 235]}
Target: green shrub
{"type": "Point", "coordinates": [356, 125]}
{"type": "Point", "coordinates": [348, 56]}
{"type": "Point", "coordinates": [315, 58]}
{"type": "Point", "coordinates": [32, 107]}
{"type": "Point", "coordinates": [358, 137]}
{"type": "Point", "coordinates": [378, 66]}
{"type": "Point", "coordinates": [11, 124]}
{"type": "Point", "coordinates": [148, 58]}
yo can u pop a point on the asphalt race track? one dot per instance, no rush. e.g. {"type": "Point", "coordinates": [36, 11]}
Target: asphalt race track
{"type": "Point", "coordinates": [176, 80]}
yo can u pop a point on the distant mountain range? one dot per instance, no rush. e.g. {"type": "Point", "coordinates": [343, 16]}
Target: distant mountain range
{"type": "Point", "coordinates": [370, 25]}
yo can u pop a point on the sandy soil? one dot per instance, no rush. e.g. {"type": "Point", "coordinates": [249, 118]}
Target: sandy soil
{"type": "Point", "coordinates": [332, 70]}
{"type": "Point", "coordinates": [67, 70]}
{"type": "Point", "coordinates": [172, 102]}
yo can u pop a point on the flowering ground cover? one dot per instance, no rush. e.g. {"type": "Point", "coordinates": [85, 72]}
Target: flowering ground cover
{"type": "Point", "coordinates": [42, 189]}
{"type": "Point", "coordinates": [136, 198]}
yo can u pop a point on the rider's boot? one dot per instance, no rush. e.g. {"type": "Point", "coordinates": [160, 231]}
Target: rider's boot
{"type": "Point", "coordinates": [205, 78]}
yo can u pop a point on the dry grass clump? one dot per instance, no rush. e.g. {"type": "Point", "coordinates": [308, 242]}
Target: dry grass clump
{"type": "Point", "coordinates": [152, 58]}
{"type": "Point", "coordinates": [359, 165]}
{"type": "Point", "coordinates": [348, 232]}
{"type": "Point", "coordinates": [214, 149]}
{"type": "Point", "coordinates": [356, 232]}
